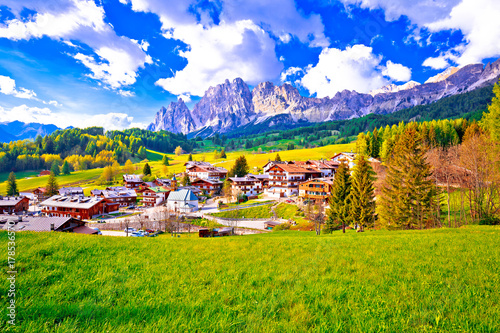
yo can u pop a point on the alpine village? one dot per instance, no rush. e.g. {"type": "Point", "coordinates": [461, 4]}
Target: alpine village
{"type": "Point", "coordinates": [255, 206]}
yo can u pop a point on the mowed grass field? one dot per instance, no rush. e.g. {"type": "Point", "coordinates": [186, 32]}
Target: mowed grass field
{"type": "Point", "coordinates": [442, 280]}
{"type": "Point", "coordinates": [87, 177]}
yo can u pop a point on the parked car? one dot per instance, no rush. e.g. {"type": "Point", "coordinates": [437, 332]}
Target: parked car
{"type": "Point", "coordinates": [130, 230]}
{"type": "Point", "coordinates": [150, 231]}
{"type": "Point", "coordinates": [137, 234]}
{"type": "Point", "coordinates": [143, 232]}
{"type": "Point", "coordinates": [98, 231]}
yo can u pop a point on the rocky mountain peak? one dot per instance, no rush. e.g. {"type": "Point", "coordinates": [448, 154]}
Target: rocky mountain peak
{"type": "Point", "coordinates": [225, 105]}
{"type": "Point", "coordinates": [175, 118]}
{"type": "Point", "coordinates": [394, 88]}
{"type": "Point", "coordinates": [443, 75]}
{"type": "Point", "coordinates": [230, 105]}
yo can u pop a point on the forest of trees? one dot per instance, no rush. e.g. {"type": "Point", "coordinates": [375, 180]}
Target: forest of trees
{"type": "Point", "coordinates": [449, 167]}
{"type": "Point", "coordinates": [468, 106]}
{"type": "Point", "coordinates": [81, 149]}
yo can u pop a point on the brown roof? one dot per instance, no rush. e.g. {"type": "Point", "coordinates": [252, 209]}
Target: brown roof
{"type": "Point", "coordinates": [293, 168]}
{"type": "Point", "coordinates": [85, 230]}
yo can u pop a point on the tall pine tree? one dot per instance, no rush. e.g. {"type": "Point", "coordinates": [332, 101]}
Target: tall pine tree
{"type": "Point", "coordinates": [12, 185]}
{"type": "Point", "coordinates": [55, 168]}
{"type": "Point", "coordinates": [340, 200]}
{"type": "Point", "coordinates": [65, 168]}
{"type": "Point", "coordinates": [52, 187]}
{"type": "Point", "coordinates": [491, 119]}
{"type": "Point", "coordinates": [409, 197]}
{"type": "Point", "coordinates": [240, 167]}
{"type": "Point", "coordinates": [164, 160]}
{"type": "Point", "coordinates": [362, 196]}
{"type": "Point", "coordinates": [146, 171]}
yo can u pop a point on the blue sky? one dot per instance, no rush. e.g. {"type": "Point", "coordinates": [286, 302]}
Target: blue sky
{"type": "Point", "coordinates": [114, 63]}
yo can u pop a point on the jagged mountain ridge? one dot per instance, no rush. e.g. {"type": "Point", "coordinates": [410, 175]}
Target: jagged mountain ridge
{"type": "Point", "coordinates": [230, 105]}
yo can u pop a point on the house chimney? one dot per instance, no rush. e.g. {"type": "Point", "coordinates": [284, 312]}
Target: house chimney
{"type": "Point", "coordinates": [52, 227]}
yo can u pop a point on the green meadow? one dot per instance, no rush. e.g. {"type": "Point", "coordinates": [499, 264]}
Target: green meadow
{"type": "Point", "coordinates": [87, 178]}
{"type": "Point", "coordinates": [440, 280]}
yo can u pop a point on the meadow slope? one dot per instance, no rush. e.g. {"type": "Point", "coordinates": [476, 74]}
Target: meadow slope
{"type": "Point", "coordinates": [87, 177]}
{"type": "Point", "coordinates": [434, 280]}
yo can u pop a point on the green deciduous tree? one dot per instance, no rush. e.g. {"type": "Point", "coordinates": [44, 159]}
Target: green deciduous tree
{"type": "Point", "coordinates": [12, 185]}
{"type": "Point", "coordinates": [185, 181]}
{"type": "Point", "coordinates": [362, 193]}
{"type": "Point", "coordinates": [129, 167]}
{"type": "Point", "coordinates": [178, 151]}
{"type": "Point", "coordinates": [340, 200]}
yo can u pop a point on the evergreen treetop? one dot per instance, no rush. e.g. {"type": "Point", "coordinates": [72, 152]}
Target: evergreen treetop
{"type": "Point", "coordinates": [12, 185]}
{"type": "Point", "coordinates": [146, 171]}
{"type": "Point", "coordinates": [52, 187]}
{"type": "Point", "coordinates": [340, 200]}
{"type": "Point", "coordinates": [362, 193]}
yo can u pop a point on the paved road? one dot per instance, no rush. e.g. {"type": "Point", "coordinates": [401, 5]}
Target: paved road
{"type": "Point", "coordinates": [113, 233]}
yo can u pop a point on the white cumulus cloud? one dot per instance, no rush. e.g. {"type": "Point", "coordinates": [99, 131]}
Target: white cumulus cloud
{"type": "Point", "coordinates": [221, 52]}
{"type": "Point", "coordinates": [240, 44]}
{"type": "Point", "coordinates": [479, 22]}
{"type": "Point", "coordinates": [8, 87]}
{"type": "Point", "coordinates": [476, 19]}
{"type": "Point", "coordinates": [27, 114]}
{"type": "Point", "coordinates": [436, 62]}
{"type": "Point", "coordinates": [355, 68]}
{"type": "Point", "coordinates": [118, 57]}
{"type": "Point", "coordinates": [397, 72]}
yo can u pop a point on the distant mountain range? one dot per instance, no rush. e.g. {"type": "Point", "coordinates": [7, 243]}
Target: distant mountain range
{"type": "Point", "coordinates": [231, 105]}
{"type": "Point", "coordinates": [17, 130]}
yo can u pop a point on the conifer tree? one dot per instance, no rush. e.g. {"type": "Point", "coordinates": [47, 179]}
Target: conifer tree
{"type": "Point", "coordinates": [164, 160]}
{"type": "Point", "coordinates": [375, 144]}
{"type": "Point", "coordinates": [223, 153]}
{"type": "Point", "coordinates": [408, 195]}
{"type": "Point", "coordinates": [12, 185]}
{"type": "Point", "coordinates": [190, 157]}
{"type": "Point", "coordinates": [278, 157]}
{"type": "Point", "coordinates": [65, 168]}
{"type": "Point", "coordinates": [146, 171]}
{"type": "Point", "coordinates": [240, 167]}
{"type": "Point", "coordinates": [55, 168]}
{"type": "Point", "coordinates": [362, 196]}
{"type": "Point", "coordinates": [340, 200]}
{"type": "Point", "coordinates": [491, 119]}
{"type": "Point", "coordinates": [52, 188]}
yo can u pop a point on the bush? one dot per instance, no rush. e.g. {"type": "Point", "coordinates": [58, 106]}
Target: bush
{"type": "Point", "coordinates": [281, 227]}
{"type": "Point", "coordinates": [490, 220]}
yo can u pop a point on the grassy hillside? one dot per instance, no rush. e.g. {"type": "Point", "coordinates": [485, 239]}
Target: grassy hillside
{"type": "Point", "coordinates": [435, 280]}
{"type": "Point", "coordinates": [87, 177]}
